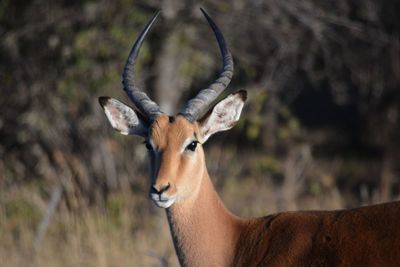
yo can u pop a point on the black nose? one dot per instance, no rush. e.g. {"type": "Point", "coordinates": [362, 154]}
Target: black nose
{"type": "Point", "coordinates": [160, 189]}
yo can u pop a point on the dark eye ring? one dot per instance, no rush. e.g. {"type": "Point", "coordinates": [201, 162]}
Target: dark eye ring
{"type": "Point", "coordinates": [192, 146]}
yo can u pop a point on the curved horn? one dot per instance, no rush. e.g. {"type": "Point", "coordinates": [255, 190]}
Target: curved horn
{"type": "Point", "coordinates": [194, 107]}
{"type": "Point", "coordinates": [148, 107]}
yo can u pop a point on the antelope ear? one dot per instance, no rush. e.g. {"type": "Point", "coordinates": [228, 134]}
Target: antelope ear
{"type": "Point", "coordinates": [123, 118]}
{"type": "Point", "coordinates": [224, 115]}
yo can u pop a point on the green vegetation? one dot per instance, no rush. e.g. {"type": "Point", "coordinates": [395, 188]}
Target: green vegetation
{"type": "Point", "coordinates": [319, 131]}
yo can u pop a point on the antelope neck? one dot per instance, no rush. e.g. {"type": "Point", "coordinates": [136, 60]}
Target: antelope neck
{"type": "Point", "coordinates": [204, 232]}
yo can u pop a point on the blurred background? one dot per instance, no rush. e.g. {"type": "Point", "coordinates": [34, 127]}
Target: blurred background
{"type": "Point", "coordinates": [320, 129]}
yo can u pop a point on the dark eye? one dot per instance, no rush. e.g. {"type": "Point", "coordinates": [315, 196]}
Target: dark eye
{"type": "Point", "coordinates": [148, 146]}
{"type": "Point", "coordinates": [192, 146]}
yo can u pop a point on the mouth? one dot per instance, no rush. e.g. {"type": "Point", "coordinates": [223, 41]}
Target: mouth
{"type": "Point", "coordinates": [162, 201]}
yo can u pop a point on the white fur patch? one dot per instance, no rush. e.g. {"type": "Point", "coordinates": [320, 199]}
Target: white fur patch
{"type": "Point", "coordinates": [223, 116]}
{"type": "Point", "coordinates": [122, 118]}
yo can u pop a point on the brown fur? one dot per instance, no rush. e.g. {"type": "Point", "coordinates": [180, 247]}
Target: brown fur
{"type": "Point", "coordinates": [367, 236]}
{"type": "Point", "coordinates": [205, 233]}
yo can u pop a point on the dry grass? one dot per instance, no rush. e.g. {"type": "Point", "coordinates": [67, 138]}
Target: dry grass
{"type": "Point", "coordinates": [118, 235]}
{"type": "Point", "coordinates": [127, 231]}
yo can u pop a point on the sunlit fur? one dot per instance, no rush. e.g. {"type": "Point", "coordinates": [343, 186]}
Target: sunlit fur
{"type": "Point", "coordinates": [180, 168]}
{"type": "Point", "coordinates": [198, 218]}
{"type": "Point", "coordinates": [205, 233]}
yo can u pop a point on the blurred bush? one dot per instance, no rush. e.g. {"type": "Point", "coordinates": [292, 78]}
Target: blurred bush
{"type": "Point", "coordinates": [320, 129]}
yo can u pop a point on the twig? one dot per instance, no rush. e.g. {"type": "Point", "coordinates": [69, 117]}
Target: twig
{"type": "Point", "coordinates": [51, 208]}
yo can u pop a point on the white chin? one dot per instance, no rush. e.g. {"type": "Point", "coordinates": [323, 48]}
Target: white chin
{"type": "Point", "coordinates": [164, 204]}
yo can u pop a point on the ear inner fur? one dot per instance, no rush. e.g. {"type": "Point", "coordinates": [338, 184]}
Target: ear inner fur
{"type": "Point", "coordinates": [123, 118]}
{"type": "Point", "coordinates": [223, 116]}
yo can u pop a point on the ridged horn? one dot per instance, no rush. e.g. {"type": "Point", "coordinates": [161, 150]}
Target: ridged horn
{"type": "Point", "coordinates": [197, 105]}
{"type": "Point", "coordinates": [145, 105]}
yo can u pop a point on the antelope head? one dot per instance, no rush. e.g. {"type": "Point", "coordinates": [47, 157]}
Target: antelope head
{"type": "Point", "coordinates": [174, 143]}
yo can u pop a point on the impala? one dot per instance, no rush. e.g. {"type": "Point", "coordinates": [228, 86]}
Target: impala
{"type": "Point", "coordinates": [204, 232]}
